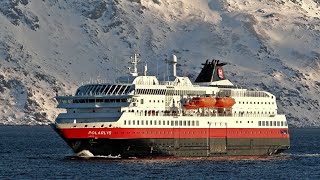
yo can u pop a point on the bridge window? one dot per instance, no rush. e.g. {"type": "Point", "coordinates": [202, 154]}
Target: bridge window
{"type": "Point", "coordinates": [125, 122]}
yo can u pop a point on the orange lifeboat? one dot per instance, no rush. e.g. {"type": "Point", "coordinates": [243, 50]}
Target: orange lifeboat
{"type": "Point", "coordinates": [189, 104]}
{"type": "Point", "coordinates": [204, 102]}
{"type": "Point", "coordinates": [200, 102]}
{"type": "Point", "coordinates": [225, 102]}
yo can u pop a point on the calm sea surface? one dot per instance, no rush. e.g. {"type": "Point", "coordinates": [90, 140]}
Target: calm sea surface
{"type": "Point", "coordinates": [37, 152]}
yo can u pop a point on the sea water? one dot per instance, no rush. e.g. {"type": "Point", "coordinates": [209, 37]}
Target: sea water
{"type": "Point", "coordinates": [37, 152]}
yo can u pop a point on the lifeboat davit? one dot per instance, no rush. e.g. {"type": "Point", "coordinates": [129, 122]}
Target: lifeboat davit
{"type": "Point", "coordinates": [225, 102]}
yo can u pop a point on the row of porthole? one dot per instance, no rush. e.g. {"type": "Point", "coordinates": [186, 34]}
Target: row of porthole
{"type": "Point", "coordinates": [102, 125]}
{"type": "Point", "coordinates": [253, 112]}
{"type": "Point", "coordinates": [255, 132]}
{"type": "Point", "coordinates": [162, 132]}
{"type": "Point", "coordinates": [272, 123]}
{"type": "Point", "coordinates": [155, 122]}
{"type": "Point", "coordinates": [247, 102]}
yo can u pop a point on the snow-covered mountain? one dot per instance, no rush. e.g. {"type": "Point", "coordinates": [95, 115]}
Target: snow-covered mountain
{"type": "Point", "coordinates": [53, 46]}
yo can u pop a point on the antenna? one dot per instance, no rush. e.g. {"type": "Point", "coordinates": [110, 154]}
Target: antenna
{"type": "Point", "coordinates": [157, 69]}
{"type": "Point", "coordinates": [167, 69]}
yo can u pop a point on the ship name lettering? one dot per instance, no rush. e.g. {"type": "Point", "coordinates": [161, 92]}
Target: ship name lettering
{"type": "Point", "coordinates": [99, 133]}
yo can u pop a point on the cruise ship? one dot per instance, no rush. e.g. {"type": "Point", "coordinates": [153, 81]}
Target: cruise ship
{"type": "Point", "coordinates": [141, 116]}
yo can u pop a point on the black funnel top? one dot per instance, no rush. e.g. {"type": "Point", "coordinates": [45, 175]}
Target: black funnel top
{"type": "Point", "coordinates": [211, 71]}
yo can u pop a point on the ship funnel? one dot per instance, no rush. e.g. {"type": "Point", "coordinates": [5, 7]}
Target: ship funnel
{"type": "Point", "coordinates": [174, 65]}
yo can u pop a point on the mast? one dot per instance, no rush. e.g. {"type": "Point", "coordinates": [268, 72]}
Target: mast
{"type": "Point", "coordinates": [134, 61]}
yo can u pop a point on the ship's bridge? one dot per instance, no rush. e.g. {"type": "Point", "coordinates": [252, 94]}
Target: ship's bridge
{"type": "Point", "coordinates": [146, 80]}
{"type": "Point", "coordinates": [103, 89]}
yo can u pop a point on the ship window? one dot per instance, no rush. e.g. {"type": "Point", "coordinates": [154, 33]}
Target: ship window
{"type": "Point", "coordinates": [180, 123]}
{"type": "Point", "coordinates": [164, 122]}
{"type": "Point", "coordinates": [236, 121]}
{"type": "Point", "coordinates": [267, 123]}
{"type": "Point", "coordinates": [141, 122]}
{"type": "Point", "coordinates": [155, 122]}
{"type": "Point", "coordinates": [129, 122]}
{"type": "Point", "coordinates": [141, 101]}
{"type": "Point", "coordinates": [102, 125]}
{"type": "Point", "coordinates": [197, 123]}
{"type": "Point", "coordinates": [188, 123]}
{"type": "Point", "coordinates": [86, 126]}
{"type": "Point", "coordinates": [278, 123]}
{"type": "Point", "coordinates": [184, 123]}
{"type": "Point", "coordinates": [151, 122]}
{"type": "Point", "coordinates": [146, 122]}
{"type": "Point", "coordinates": [259, 123]}
{"type": "Point", "coordinates": [172, 123]}
{"type": "Point", "coordinates": [274, 123]}
{"type": "Point", "coordinates": [263, 123]}
{"type": "Point", "coordinates": [176, 123]}
{"type": "Point", "coordinates": [137, 122]}
{"type": "Point", "coordinates": [192, 123]}
{"type": "Point", "coordinates": [248, 121]}
{"type": "Point", "coordinates": [125, 122]}
{"type": "Point", "coordinates": [281, 123]}
{"type": "Point", "coordinates": [168, 123]}
{"type": "Point", "coordinates": [285, 123]}
{"type": "Point", "coordinates": [270, 123]}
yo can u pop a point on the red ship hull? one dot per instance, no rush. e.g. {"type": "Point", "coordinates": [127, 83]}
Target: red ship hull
{"type": "Point", "coordinates": [178, 142]}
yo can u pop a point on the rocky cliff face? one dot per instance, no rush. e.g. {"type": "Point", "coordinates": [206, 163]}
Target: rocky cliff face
{"type": "Point", "coordinates": [53, 46]}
